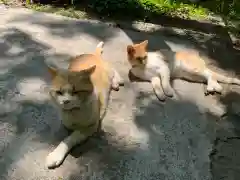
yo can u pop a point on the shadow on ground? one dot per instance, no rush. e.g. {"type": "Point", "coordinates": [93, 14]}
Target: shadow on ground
{"type": "Point", "coordinates": [225, 153]}
{"type": "Point", "coordinates": [25, 112]}
{"type": "Point", "coordinates": [208, 40]}
{"type": "Point", "coordinates": [182, 143]}
{"type": "Point", "coordinates": [149, 12]}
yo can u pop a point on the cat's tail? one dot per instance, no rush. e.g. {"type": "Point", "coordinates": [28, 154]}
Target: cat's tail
{"type": "Point", "coordinates": [224, 79]}
{"type": "Point", "coordinates": [99, 48]}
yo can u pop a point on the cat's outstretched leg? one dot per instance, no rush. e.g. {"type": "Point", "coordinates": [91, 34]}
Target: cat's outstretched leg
{"type": "Point", "coordinates": [165, 80]}
{"type": "Point", "coordinates": [213, 86]}
{"type": "Point", "coordinates": [156, 84]}
{"type": "Point", "coordinates": [117, 81]}
{"type": "Point", "coordinates": [57, 156]}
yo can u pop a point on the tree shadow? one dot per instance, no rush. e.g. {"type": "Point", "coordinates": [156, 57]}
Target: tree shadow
{"type": "Point", "coordinates": [149, 13]}
{"type": "Point", "coordinates": [225, 153]}
{"type": "Point", "coordinates": [180, 142]}
{"type": "Point", "coordinates": [209, 42]}
{"type": "Point", "coordinates": [219, 52]}
{"type": "Point", "coordinates": [70, 28]}
{"type": "Point", "coordinates": [146, 12]}
{"type": "Point", "coordinates": [67, 28]}
{"type": "Point", "coordinates": [176, 134]}
{"type": "Point", "coordinates": [174, 140]}
{"type": "Point", "coordinates": [26, 116]}
{"type": "Point", "coordinates": [213, 39]}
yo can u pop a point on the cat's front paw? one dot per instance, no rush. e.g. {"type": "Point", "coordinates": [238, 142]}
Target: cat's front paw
{"type": "Point", "coordinates": [115, 86]}
{"type": "Point", "coordinates": [54, 159]}
{"type": "Point", "coordinates": [169, 92]}
{"type": "Point", "coordinates": [160, 95]}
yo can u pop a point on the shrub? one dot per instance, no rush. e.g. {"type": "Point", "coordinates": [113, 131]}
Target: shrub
{"type": "Point", "coordinates": [127, 8]}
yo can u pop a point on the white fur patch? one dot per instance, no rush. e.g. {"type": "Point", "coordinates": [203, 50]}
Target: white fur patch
{"type": "Point", "coordinates": [100, 45]}
{"type": "Point", "coordinates": [152, 68]}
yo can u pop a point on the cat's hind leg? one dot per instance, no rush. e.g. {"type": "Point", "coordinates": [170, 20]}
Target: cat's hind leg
{"type": "Point", "coordinates": [165, 81]}
{"type": "Point", "coordinates": [157, 88]}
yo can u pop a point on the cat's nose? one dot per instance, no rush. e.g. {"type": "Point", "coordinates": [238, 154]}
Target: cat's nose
{"type": "Point", "coordinates": [66, 102]}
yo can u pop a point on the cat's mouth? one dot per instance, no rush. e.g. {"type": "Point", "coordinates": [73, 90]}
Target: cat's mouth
{"type": "Point", "coordinates": [138, 65]}
{"type": "Point", "coordinates": [71, 108]}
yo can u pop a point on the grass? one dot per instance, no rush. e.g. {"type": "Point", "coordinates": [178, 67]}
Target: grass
{"type": "Point", "coordinates": [179, 9]}
{"type": "Point", "coordinates": [64, 11]}
{"type": "Point", "coordinates": [151, 7]}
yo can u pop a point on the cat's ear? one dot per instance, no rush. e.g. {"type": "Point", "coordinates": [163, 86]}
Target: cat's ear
{"type": "Point", "coordinates": [144, 43]}
{"type": "Point", "coordinates": [130, 49]}
{"type": "Point", "coordinates": [87, 72]}
{"type": "Point", "coordinates": [53, 72]}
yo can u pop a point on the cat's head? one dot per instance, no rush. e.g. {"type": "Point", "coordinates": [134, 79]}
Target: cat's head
{"type": "Point", "coordinates": [71, 89]}
{"type": "Point", "coordinates": [137, 53]}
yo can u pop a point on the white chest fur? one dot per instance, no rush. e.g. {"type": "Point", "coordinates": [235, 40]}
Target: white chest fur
{"type": "Point", "coordinates": [82, 117]}
{"type": "Point", "coordinates": [151, 69]}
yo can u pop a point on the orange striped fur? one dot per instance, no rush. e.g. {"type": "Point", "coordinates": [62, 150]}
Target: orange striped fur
{"type": "Point", "coordinates": [82, 94]}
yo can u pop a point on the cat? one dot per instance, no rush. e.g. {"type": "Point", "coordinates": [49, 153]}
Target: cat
{"type": "Point", "coordinates": [160, 66]}
{"type": "Point", "coordinates": [82, 94]}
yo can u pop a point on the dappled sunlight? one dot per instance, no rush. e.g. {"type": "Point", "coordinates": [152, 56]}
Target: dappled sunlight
{"type": "Point", "coordinates": [225, 153]}
{"type": "Point", "coordinates": [11, 54]}
{"type": "Point", "coordinates": [172, 128]}
{"type": "Point", "coordinates": [126, 131]}
{"type": "Point", "coordinates": [63, 26]}
{"type": "Point", "coordinates": [17, 48]}
{"type": "Point", "coordinates": [142, 138]}
{"type": "Point", "coordinates": [194, 93]}
{"type": "Point", "coordinates": [185, 124]}
{"type": "Point", "coordinates": [32, 89]}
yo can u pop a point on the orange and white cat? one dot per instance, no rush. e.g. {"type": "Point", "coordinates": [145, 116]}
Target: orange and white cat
{"type": "Point", "coordinates": [161, 66]}
{"type": "Point", "coordinates": [82, 95]}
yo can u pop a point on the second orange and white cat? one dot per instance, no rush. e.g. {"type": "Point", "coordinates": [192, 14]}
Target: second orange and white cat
{"type": "Point", "coordinates": [160, 66]}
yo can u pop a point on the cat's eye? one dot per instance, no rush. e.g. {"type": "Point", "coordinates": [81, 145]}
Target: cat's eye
{"type": "Point", "coordinates": [75, 92]}
{"type": "Point", "coordinates": [59, 92]}
{"type": "Point", "coordinates": [79, 92]}
{"type": "Point", "coordinates": [141, 59]}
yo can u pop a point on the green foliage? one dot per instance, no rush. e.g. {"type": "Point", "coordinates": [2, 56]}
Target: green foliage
{"type": "Point", "coordinates": [117, 7]}
{"type": "Point", "coordinates": [144, 8]}
{"type": "Point", "coordinates": [227, 8]}
{"type": "Point", "coordinates": [182, 8]}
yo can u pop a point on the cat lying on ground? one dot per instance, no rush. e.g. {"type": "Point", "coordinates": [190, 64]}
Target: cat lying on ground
{"type": "Point", "coordinates": [82, 94]}
{"type": "Point", "coordinates": [160, 66]}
